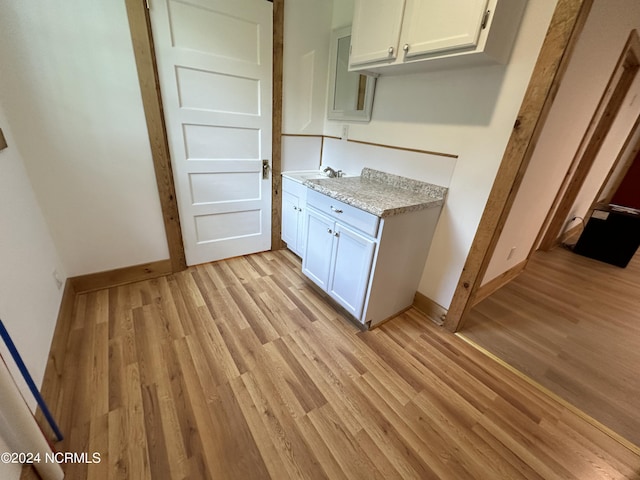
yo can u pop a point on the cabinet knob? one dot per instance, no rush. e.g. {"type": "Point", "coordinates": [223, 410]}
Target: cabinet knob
{"type": "Point", "coordinates": [390, 50]}
{"type": "Point", "coordinates": [406, 47]}
{"type": "Point", "coordinates": [329, 231]}
{"type": "Point", "coordinates": [336, 234]}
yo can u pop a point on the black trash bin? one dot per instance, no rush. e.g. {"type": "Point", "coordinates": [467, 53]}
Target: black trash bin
{"type": "Point", "coordinates": [611, 235]}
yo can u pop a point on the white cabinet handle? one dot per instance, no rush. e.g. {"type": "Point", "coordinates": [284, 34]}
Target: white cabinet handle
{"type": "Point", "coordinates": [406, 47]}
{"type": "Point", "coordinates": [390, 50]}
{"type": "Point", "coordinates": [337, 210]}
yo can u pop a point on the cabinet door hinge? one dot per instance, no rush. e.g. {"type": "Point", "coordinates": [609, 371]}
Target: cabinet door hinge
{"type": "Point", "coordinates": [146, 2]}
{"type": "Point", "coordinates": [485, 19]}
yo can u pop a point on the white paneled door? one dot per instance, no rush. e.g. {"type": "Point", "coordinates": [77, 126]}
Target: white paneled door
{"type": "Point", "coordinates": [215, 65]}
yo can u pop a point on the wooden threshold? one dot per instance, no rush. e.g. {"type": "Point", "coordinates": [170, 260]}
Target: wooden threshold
{"type": "Point", "coordinates": [569, 406]}
{"type": "Point", "coordinates": [569, 322]}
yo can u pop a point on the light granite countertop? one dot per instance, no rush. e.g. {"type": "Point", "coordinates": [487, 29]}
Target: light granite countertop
{"type": "Point", "coordinates": [382, 194]}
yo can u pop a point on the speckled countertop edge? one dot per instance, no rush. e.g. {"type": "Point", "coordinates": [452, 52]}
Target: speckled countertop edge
{"type": "Point", "coordinates": [380, 193]}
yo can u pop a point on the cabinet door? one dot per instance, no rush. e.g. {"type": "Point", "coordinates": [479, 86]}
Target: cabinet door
{"type": "Point", "coordinates": [316, 262]}
{"type": "Point", "coordinates": [375, 31]}
{"type": "Point", "coordinates": [432, 26]}
{"type": "Point", "coordinates": [290, 216]}
{"type": "Point", "coordinates": [353, 256]}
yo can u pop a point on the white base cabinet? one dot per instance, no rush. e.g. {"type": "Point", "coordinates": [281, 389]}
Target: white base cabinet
{"type": "Point", "coordinates": [369, 266]}
{"type": "Point", "coordinates": [294, 197]}
{"type": "Point", "coordinates": [338, 259]}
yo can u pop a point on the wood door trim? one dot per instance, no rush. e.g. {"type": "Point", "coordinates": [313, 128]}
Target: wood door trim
{"type": "Point", "coordinates": [613, 186]}
{"type": "Point", "coordinates": [566, 24]}
{"type": "Point", "coordinates": [142, 40]}
{"type": "Point", "coordinates": [276, 125]}
{"type": "Point", "coordinates": [595, 135]}
{"type": "Point", "coordinates": [630, 158]}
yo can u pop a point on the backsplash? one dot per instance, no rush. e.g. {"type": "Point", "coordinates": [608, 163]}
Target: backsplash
{"type": "Point", "coordinates": [310, 152]}
{"type": "Point", "coordinates": [352, 157]}
{"type": "Point", "coordinates": [301, 152]}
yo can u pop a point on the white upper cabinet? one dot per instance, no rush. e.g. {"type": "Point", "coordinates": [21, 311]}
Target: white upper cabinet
{"type": "Point", "coordinates": [441, 25]}
{"type": "Point", "coordinates": [375, 32]}
{"type": "Point", "coordinates": [398, 36]}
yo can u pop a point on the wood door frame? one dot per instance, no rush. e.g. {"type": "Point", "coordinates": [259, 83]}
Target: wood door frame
{"type": "Point", "coordinates": [610, 103]}
{"type": "Point", "coordinates": [142, 41]}
{"type": "Point", "coordinates": [562, 35]}
{"type": "Point", "coordinates": [630, 158]}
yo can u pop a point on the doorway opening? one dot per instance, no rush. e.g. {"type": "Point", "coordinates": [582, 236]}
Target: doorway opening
{"type": "Point", "coordinates": [568, 322]}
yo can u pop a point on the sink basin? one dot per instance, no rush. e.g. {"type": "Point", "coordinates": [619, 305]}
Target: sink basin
{"type": "Point", "coordinates": [301, 175]}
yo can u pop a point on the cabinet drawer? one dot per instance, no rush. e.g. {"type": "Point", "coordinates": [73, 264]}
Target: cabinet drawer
{"type": "Point", "coordinates": [363, 221]}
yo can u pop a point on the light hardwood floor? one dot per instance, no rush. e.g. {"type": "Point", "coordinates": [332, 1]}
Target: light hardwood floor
{"type": "Point", "coordinates": [572, 324]}
{"type": "Point", "coordinates": [240, 370]}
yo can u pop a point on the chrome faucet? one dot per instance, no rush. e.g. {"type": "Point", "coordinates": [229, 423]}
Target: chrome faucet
{"type": "Point", "coordinates": [332, 173]}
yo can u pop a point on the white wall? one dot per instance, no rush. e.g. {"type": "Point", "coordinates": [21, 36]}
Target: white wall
{"type": "Point", "coordinates": [29, 299]}
{"type": "Point", "coordinates": [307, 30]}
{"type": "Point", "coordinates": [342, 14]}
{"type": "Point", "coordinates": [29, 296]}
{"type": "Point", "coordinates": [70, 90]}
{"type": "Point", "coordinates": [468, 112]}
{"type": "Point", "coordinates": [8, 471]}
{"type": "Point", "coordinates": [591, 65]}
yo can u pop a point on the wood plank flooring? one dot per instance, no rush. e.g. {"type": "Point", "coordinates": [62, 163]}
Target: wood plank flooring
{"type": "Point", "coordinates": [572, 324]}
{"type": "Point", "coordinates": [240, 370]}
